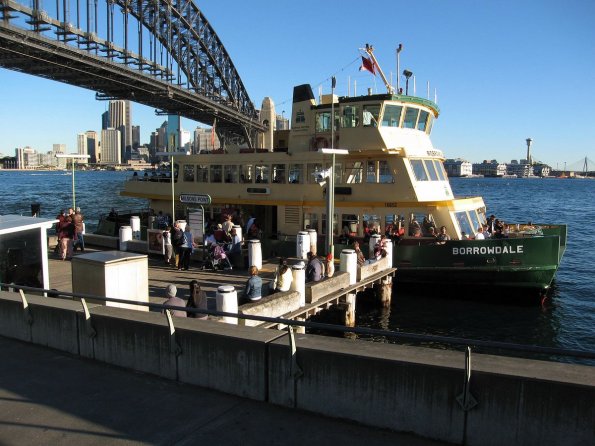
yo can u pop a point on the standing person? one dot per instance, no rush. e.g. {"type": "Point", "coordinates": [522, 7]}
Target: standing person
{"type": "Point", "coordinates": [361, 259]}
{"type": "Point", "coordinates": [66, 236]}
{"type": "Point", "coordinates": [186, 249]}
{"type": "Point", "coordinates": [167, 245]}
{"type": "Point", "coordinates": [314, 268]}
{"type": "Point", "coordinates": [60, 217]}
{"type": "Point", "coordinates": [79, 229]}
{"type": "Point", "coordinates": [227, 224]}
{"type": "Point", "coordinates": [177, 240]}
{"type": "Point", "coordinates": [253, 290]}
{"type": "Point", "coordinates": [170, 294]}
{"type": "Point", "coordinates": [197, 299]}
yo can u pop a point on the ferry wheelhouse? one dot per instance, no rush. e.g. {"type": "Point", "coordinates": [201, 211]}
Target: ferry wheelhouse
{"type": "Point", "coordinates": [391, 178]}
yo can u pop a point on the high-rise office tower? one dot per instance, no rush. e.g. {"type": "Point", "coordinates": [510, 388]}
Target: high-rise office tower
{"type": "Point", "coordinates": [120, 114]}
{"type": "Point", "coordinates": [111, 149]}
{"type": "Point", "coordinates": [105, 120]}
{"type": "Point", "coordinates": [92, 146]}
{"type": "Point", "coordinates": [81, 147]}
{"type": "Point", "coordinates": [60, 148]}
{"type": "Point", "coordinates": [135, 137]}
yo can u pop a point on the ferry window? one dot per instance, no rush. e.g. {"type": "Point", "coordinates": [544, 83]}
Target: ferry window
{"type": "Point", "coordinates": [313, 168]}
{"type": "Point", "coordinates": [392, 115]}
{"type": "Point", "coordinates": [278, 173]}
{"type": "Point", "coordinates": [188, 172]}
{"type": "Point", "coordinates": [202, 173]}
{"type": "Point", "coordinates": [410, 117]}
{"type": "Point", "coordinates": [418, 169]}
{"type": "Point", "coordinates": [393, 224]}
{"type": "Point", "coordinates": [262, 173]}
{"type": "Point", "coordinates": [384, 173]}
{"type": "Point", "coordinates": [310, 221]}
{"type": "Point", "coordinates": [423, 118]}
{"type": "Point", "coordinates": [430, 168]}
{"type": "Point", "coordinates": [246, 173]}
{"type": "Point", "coordinates": [370, 115]}
{"type": "Point", "coordinates": [323, 122]}
{"type": "Point", "coordinates": [353, 172]}
{"type": "Point", "coordinates": [464, 223]}
{"type": "Point", "coordinates": [349, 225]}
{"type": "Point", "coordinates": [474, 221]}
{"type": "Point", "coordinates": [296, 173]}
{"type": "Point", "coordinates": [216, 173]}
{"type": "Point", "coordinates": [350, 116]}
{"type": "Point", "coordinates": [440, 169]}
{"type": "Point", "coordinates": [371, 224]}
{"type": "Point", "coordinates": [370, 171]}
{"type": "Point", "coordinates": [230, 173]}
{"type": "Point", "coordinates": [429, 125]}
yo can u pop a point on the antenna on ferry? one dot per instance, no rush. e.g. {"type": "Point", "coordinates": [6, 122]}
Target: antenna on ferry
{"type": "Point", "coordinates": [399, 49]}
{"type": "Point", "coordinates": [428, 94]}
{"type": "Point", "coordinates": [407, 75]}
{"type": "Point", "coordinates": [369, 49]}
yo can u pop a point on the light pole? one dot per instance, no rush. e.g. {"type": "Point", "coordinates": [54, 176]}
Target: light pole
{"type": "Point", "coordinates": [171, 179]}
{"type": "Point", "coordinates": [330, 193]}
{"type": "Point", "coordinates": [399, 49]}
{"type": "Point", "coordinates": [73, 157]}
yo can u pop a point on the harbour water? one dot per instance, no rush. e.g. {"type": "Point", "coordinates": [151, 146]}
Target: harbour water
{"type": "Point", "coordinates": [567, 320]}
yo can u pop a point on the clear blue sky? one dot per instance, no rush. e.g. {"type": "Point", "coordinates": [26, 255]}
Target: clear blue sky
{"type": "Point", "coordinates": [504, 71]}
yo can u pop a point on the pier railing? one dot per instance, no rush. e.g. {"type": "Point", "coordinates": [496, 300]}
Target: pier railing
{"type": "Point", "coordinates": [364, 333]}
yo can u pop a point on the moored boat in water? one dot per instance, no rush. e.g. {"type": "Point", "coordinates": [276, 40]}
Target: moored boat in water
{"type": "Point", "coordinates": [391, 180]}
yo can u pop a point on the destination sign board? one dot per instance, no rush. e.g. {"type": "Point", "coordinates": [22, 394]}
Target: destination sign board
{"type": "Point", "coordinates": [195, 198]}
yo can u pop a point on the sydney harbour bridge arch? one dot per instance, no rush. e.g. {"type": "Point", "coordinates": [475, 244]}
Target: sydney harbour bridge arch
{"type": "Point", "coordinates": [160, 53]}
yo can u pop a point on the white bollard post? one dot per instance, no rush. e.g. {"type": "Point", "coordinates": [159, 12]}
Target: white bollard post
{"type": "Point", "coordinates": [349, 264]}
{"type": "Point", "coordinates": [299, 281]}
{"type": "Point", "coordinates": [182, 224]}
{"type": "Point", "coordinates": [227, 301]}
{"type": "Point", "coordinates": [303, 245]}
{"type": "Point", "coordinates": [388, 246]}
{"type": "Point", "coordinates": [373, 240]}
{"type": "Point", "coordinates": [135, 225]}
{"type": "Point", "coordinates": [125, 235]}
{"type": "Point", "coordinates": [313, 240]}
{"type": "Point", "coordinates": [238, 229]}
{"type": "Point", "coordinates": [254, 254]}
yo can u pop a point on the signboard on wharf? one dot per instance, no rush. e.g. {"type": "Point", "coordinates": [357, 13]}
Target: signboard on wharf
{"type": "Point", "coordinates": [195, 199]}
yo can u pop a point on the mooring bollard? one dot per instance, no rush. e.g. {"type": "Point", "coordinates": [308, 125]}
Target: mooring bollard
{"type": "Point", "coordinates": [125, 236]}
{"type": "Point", "coordinates": [313, 240]}
{"type": "Point", "coordinates": [135, 226]}
{"type": "Point", "coordinates": [227, 302]}
{"type": "Point", "coordinates": [238, 229]}
{"type": "Point", "coordinates": [349, 264]}
{"type": "Point", "coordinates": [302, 245]}
{"type": "Point", "coordinates": [374, 239]}
{"type": "Point", "coordinates": [299, 281]}
{"type": "Point", "coordinates": [388, 247]}
{"type": "Point", "coordinates": [254, 254]}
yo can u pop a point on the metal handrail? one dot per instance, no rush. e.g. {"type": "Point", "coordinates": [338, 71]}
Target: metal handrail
{"type": "Point", "coordinates": [403, 336]}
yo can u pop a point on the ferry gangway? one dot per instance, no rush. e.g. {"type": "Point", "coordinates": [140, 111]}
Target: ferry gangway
{"type": "Point", "coordinates": [493, 347]}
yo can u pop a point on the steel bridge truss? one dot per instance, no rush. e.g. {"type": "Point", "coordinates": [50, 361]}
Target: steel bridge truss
{"type": "Point", "coordinates": [185, 69]}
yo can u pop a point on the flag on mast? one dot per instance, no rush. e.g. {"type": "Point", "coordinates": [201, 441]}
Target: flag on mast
{"type": "Point", "coordinates": [367, 65]}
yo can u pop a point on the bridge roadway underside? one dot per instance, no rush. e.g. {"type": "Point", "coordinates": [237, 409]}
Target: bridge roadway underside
{"type": "Point", "coordinates": [48, 397]}
{"type": "Point", "coordinates": [31, 53]}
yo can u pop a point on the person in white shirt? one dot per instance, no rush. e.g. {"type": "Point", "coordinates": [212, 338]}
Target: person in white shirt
{"type": "Point", "coordinates": [479, 235]}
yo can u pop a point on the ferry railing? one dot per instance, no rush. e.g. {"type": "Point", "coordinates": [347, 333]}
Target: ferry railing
{"type": "Point", "coordinates": [426, 340]}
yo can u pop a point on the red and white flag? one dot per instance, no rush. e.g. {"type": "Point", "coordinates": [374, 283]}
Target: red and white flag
{"type": "Point", "coordinates": [368, 65]}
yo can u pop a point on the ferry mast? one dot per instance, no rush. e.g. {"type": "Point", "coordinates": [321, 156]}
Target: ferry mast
{"type": "Point", "coordinates": [369, 49]}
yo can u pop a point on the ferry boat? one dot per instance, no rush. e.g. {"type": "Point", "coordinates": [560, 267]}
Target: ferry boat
{"type": "Point", "coordinates": [391, 179]}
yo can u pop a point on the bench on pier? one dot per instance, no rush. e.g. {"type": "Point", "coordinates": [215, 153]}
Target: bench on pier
{"type": "Point", "coordinates": [318, 290]}
{"type": "Point", "coordinates": [273, 305]}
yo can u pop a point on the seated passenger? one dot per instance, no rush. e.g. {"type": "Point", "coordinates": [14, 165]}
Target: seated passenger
{"type": "Point", "coordinates": [479, 234]}
{"type": "Point", "coordinates": [442, 237]}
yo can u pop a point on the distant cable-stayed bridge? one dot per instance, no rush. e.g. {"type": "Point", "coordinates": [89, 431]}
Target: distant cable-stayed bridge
{"type": "Point", "coordinates": [161, 53]}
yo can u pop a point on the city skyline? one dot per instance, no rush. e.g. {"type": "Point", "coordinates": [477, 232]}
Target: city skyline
{"type": "Point", "coordinates": [503, 72]}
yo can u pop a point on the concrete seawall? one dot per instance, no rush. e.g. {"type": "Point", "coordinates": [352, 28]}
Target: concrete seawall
{"type": "Point", "coordinates": [408, 389]}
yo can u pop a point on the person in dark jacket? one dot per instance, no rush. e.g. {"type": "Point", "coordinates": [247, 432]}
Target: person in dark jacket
{"type": "Point", "coordinates": [314, 268]}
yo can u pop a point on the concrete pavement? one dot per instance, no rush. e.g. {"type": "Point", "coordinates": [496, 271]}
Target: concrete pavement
{"type": "Point", "coordinates": [50, 398]}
